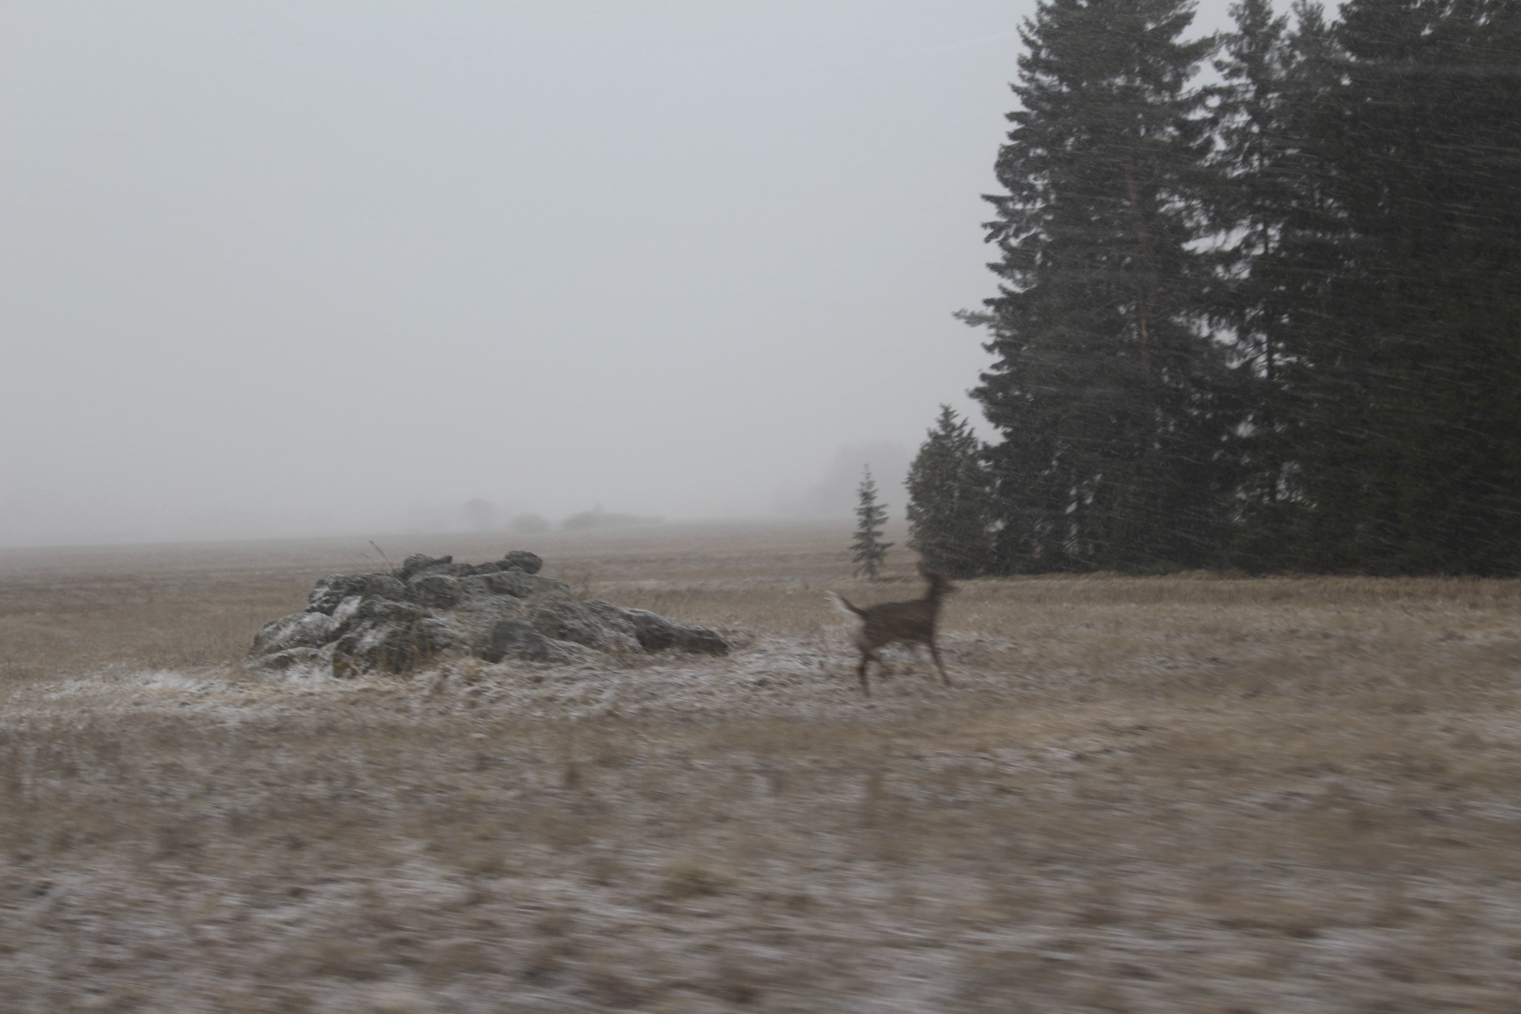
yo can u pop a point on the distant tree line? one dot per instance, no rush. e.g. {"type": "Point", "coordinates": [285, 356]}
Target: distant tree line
{"type": "Point", "coordinates": [1269, 322]}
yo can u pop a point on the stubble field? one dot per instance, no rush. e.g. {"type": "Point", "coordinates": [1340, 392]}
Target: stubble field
{"type": "Point", "coordinates": [1176, 794]}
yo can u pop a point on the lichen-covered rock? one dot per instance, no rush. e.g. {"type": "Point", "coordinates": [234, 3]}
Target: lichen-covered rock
{"type": "Point", "coordinates": [558, 616]}
{"type": "Point", "coordinates": [418, 562]}
{"type": "Point", "coordinates": [433, 608]}
{"type": "Point", "coordinates": [348, 609]}
{"type": "Point", "coordinates": [515, 638]}
{"type": "Point", "coordinates": [397, 647]}
{"type": "Point", "coordinates": [309, 629]}
{"type": "Point", "coordinates": [435, 591]}
{"type": "Point", "coordinates": [519, 584]}
{"type": "Point", "coordinates": [382, 613]}
{"type": "Point", "coordinates": [298, 630]}
{"type": "Point", "coordinates": [656, 633]}
{"type": "Point", "coordinates": [522, 559]}
{"type": "Point", "coordinates": [334, 588]}
{"type": "Point", "coordinates": [611, 616]}
{"type": "Point", "coordinates": [504, 582]}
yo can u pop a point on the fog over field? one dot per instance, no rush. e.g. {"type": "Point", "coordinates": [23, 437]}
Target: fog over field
{"type": "Point", "coordinates": [281, 268]}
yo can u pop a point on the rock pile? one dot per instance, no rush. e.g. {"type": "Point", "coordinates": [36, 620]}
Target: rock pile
{"type": "Point", "coordinates": [430, 609]}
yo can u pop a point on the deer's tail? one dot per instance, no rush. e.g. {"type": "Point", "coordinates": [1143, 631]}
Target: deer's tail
{"type": "Point", "coordinates": [844, 606]}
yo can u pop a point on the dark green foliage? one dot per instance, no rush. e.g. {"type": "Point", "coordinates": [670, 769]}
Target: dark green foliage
{"type": "Point", "coordinates": [867, 548]}
{"type": "Point", "coordinates": [1411, 460]}
{"type": "Point", "coordinates": [1296, 349]}
{"type": "Point", "coordinates": [1390, 291]}
{"type": "Point", "coordinates": [950, 510]}
{"type": "Point", "coordinates": [1265, 201]}
{"type": "Point", "coordinates": [1117, 408]}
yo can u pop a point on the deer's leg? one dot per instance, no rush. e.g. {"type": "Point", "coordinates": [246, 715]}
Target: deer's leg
{"type": "Point", "coordinates": [861, 672]}
{"type": "Point", "coordinates": [935, 654]}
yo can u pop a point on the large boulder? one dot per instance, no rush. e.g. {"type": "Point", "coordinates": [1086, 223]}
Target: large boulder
{"type": "Point", "coordinates": [298, 630]}
{"type": "Point", "coordinates": [517, 639]}
{"type": "Point", "coordinates": [418, 562]}
{"type": "Point", "coordinates": [522, 559]}
{"type": "Point", "coordinates": [656, 633]}
{"type": "Point", "coordinates": [393, 648]}
{"type": "Point", "coordinates": [435, 591]}
{"type": "Point", "coordinates": [334, 588]}
{"type": "Point", "coordinates": [430, 609]}
{"type": "Point", "coordinates": [554, 613]}
{"type": "Point", "coordinates": [388, 636]}
{"type": "Point", "coordinates": [506, 582]}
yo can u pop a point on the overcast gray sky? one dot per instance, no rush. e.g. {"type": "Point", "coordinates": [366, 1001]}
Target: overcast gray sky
{"type": "Point", "coordinates": [314, 267]}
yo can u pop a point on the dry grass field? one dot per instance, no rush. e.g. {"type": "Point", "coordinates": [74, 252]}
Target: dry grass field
{"type": "Point", "coordinates": [1175, 794]}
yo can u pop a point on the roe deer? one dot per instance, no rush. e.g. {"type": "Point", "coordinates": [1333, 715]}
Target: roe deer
{"type": "Point", "coordinates": [906, 622]}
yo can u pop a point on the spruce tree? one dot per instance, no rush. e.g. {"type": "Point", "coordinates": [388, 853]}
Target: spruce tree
{"type": "Point", "coordinates": [1409, 334]}
{"type": "Point", "coordinates": [868, 549]}
{"type": "Point", "coordinates": [1266, 205]}
{"type": "Point", "coordinates": [949, 507]}
{"type": "Point", "coordinates": [1113, 401]}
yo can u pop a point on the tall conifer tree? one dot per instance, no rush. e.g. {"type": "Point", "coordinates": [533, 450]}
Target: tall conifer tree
{"type": "Point", "coordinates": [1265, 202]}
{"type": "Point", "coordinates": [1109, 394]}
{"type": "Point", "coordinates": [1409, 338]}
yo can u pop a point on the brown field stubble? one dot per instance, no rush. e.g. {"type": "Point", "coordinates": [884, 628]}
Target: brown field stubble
{"type": "Point", "coordinates": [1187, 793]}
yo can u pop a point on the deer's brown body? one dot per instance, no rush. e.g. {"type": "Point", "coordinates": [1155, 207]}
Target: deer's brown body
{"type": "Point", "coordinates": [905, 622]}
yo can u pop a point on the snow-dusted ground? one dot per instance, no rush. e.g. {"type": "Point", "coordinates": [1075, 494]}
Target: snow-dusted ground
{"type": "Point", "coordinates": [1162, 795]}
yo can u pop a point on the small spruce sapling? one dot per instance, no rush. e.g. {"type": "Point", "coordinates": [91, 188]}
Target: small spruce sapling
{"type": "Point", "coordinates": [950, 505]}
{"type": "Point", "coordinates": [868, 548]}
